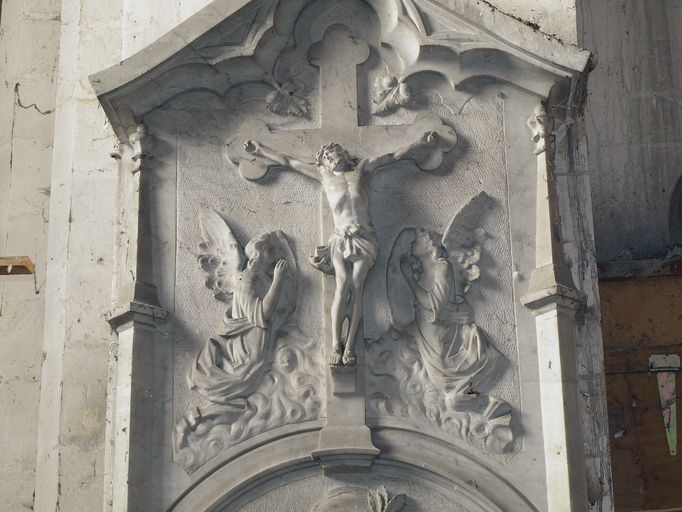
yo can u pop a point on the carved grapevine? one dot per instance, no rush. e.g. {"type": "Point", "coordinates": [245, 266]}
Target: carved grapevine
{"type": "Point", "coordinates": [389, 94]}
{"type": "Point", "coordinates": [287, 99]}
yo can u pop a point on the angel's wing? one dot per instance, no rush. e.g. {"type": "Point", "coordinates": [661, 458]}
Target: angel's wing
{"type": "Point", "coordinates": [464, 236]}
{"type": "Point", "coordinates": [221, 256]}
{"type": "Point", "coordinates": [400, 297]}
{"type": "Point", "coordinates": [287, 298]}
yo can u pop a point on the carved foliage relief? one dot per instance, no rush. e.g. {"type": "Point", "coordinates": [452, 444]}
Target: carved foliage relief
{"type": "Point", "coordinates": [361, 499]}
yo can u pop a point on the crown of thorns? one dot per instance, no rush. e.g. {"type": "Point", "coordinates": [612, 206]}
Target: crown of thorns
{"type": "Point", "coordinates": [328, 147]}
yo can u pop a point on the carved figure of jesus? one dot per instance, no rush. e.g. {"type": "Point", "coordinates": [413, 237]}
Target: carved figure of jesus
{"type": "Point", "coordinates": [352, 248]}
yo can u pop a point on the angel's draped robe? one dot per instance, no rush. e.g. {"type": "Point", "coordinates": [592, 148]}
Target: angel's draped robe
{"type": "Point", "coordinates": [230, 365]}
{"type": "Point", "coordinates": [456, 355]}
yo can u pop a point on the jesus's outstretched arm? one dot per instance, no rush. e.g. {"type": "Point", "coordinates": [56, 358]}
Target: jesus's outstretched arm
{"type": "Point", "coordinates": [257, 149]}
{"type": "Point", "coordinates": [428, 139]}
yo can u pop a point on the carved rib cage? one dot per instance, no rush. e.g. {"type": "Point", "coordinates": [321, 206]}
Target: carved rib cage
{"type": "Point", "coordinates": [337, 226]}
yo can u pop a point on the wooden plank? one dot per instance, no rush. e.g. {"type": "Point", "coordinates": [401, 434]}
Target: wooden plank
{"type": "Point", "coordinates": [662, 510]}
{"type": "Point", "coordinates": [13, 265]}
{"type": "Point", "coordinates": [645, 475]}
{"type": "Point", "coordinates": [640, 318]}
{"type": "Point", "coordinates": [636, 361]}
{"type": "Point", "coordinates": [641, 313]}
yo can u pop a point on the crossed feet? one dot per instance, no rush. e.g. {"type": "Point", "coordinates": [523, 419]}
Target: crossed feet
{"type": "Point", "coordinates": [341, 357]}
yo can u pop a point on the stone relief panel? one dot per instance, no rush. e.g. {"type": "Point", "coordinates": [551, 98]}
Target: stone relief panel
{"type": "Point", "coordinates": [383, 119]}
{"type": "Point", "coordinates": [386, 254]}
{"type": "Point", "coordinates": [482, 362]}
{"type": "Point", "coordinates": [204, 429]}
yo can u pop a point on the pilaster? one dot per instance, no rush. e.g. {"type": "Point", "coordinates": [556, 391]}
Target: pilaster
{"type": "Point", "coordinates": [553, 298]}
{"type": "Point", "coordinates": [130, 438]}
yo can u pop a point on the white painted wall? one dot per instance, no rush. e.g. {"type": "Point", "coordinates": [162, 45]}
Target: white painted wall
{"type": "Point", "coordinates": [76, 336]}
{"type": "Point", "coordinates": [27, 89]}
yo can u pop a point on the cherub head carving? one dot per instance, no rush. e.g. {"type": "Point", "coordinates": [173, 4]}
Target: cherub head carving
{"type": "Point", "coordinates": [427, 242]}
{"type": "Point", "coordinates": [261, 252]}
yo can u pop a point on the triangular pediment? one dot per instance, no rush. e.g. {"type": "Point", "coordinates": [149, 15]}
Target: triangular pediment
{"type": "Point", "coordinates": [230, 43]}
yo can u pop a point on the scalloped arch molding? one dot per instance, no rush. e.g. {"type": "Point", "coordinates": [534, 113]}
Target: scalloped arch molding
{"type": "Point", "coordinates": [234, 42]}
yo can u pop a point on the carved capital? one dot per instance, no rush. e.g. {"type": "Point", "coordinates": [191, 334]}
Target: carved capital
{"type": "Point", "coordinates": [551, 285]}
{"type": "Point", "coordinates": [142, 143]}
{"type": "Point", "coordinates": [135, 311]}
{"type": "Point", "coordinates": [345, 449]}
{"type": "Point", "coordinates": [541, 125]}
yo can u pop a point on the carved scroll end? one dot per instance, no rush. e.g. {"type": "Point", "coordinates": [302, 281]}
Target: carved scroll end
{"type": "Point", "coordinates": [142, 143]}
{"type": "Point", "coordinates": [541, 125]}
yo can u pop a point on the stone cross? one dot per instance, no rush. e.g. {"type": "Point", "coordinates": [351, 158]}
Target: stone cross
{"type": "Point", "coordinates": [338, 55]}
{"type": "Point", "coordinates": [345, 442]}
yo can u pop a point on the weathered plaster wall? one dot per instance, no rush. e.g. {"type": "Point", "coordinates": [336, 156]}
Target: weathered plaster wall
{"type": "Point", "coordinates": [70, 466]}
{"type": "Point", "coordinates": [29, 33]}
{"type": "Point", "coordinates": [634, 111]}
{"type": "Point", "coordinates": [144, 22]}
{"type": "Point", "coordinates": [553, 17]}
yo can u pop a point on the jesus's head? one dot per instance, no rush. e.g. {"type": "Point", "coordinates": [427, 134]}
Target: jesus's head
{"type": "Point", "coordinates": [335, 159]}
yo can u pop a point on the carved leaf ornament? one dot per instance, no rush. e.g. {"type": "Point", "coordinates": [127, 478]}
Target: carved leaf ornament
{"type": "Point", "coordinates": [287, 99]}
{"type": "Point", "coordinates": [389, 94]}
{"type": "Point", "coordinates": [379, 501]}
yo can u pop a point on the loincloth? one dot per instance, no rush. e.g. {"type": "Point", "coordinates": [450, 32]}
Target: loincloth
{"type": "Point", "coordinates": [354, 242]}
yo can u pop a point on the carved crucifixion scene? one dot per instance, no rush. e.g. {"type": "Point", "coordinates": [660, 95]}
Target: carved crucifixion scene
{"type": "Point", "coordinates": [345, 235]}
{"type": "Point", "coordinates": [352, 248]}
